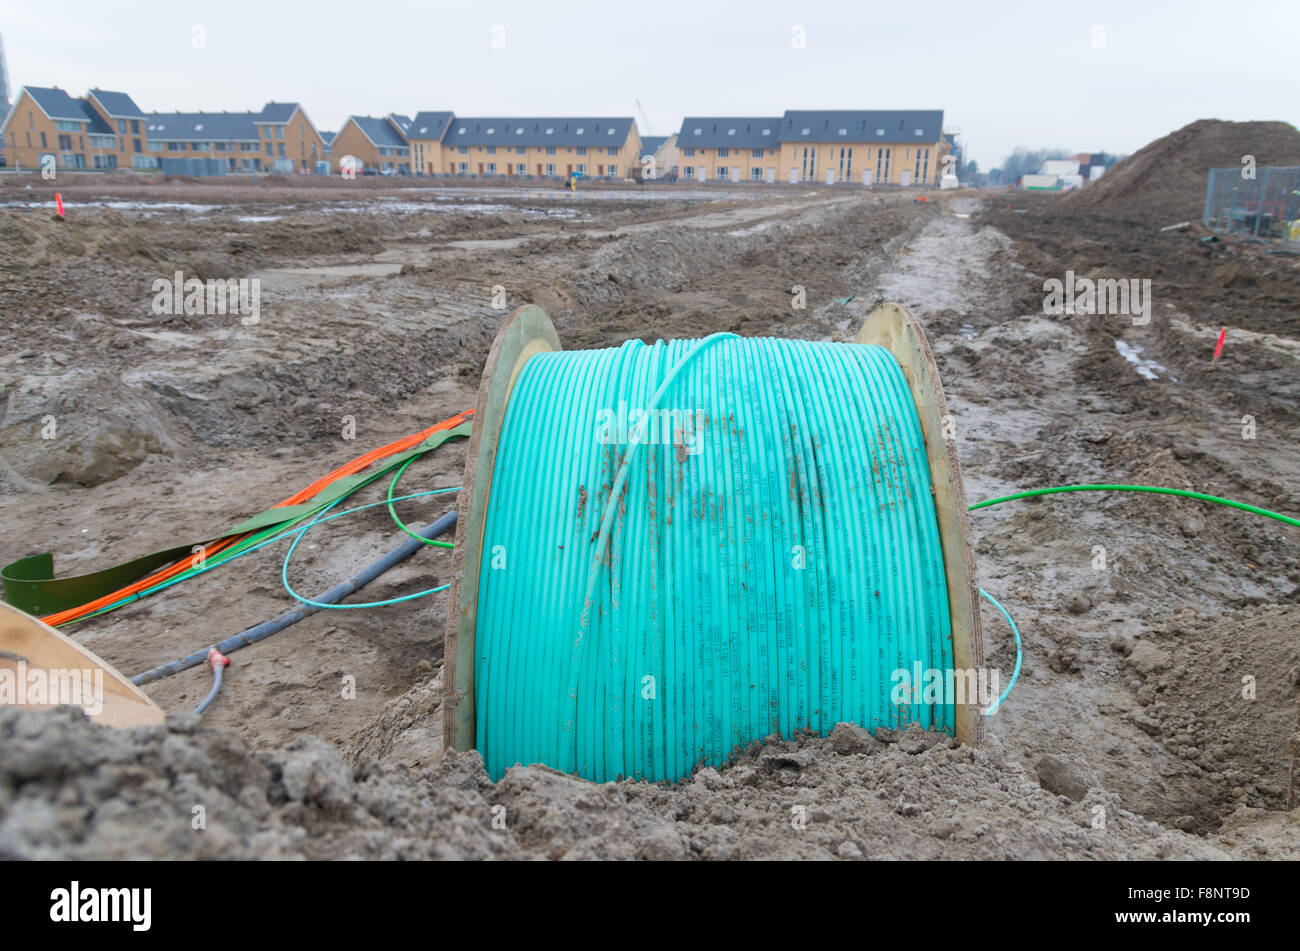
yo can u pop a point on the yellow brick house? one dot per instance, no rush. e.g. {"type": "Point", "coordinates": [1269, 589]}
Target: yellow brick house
{"type": "Point", "coordinates": [712, 148]}
{"type": "Point", "coordinates": [425, 133]}
{"type": "Point", "coordinates": [876, 147]}
{"type": "Point", "coordinates": [594, 147]}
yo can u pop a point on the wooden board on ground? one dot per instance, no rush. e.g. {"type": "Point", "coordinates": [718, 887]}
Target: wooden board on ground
{"type": "Point", "coordinates": [894, 328]}
{"type": "Point", "coordinates": [528, 331]}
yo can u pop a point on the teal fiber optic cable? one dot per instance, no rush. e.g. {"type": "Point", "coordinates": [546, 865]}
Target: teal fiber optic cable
{"type": "Point", "coordinates": [692, 545]}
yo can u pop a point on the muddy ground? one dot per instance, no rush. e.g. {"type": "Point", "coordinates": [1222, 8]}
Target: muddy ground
{"type": "Point", "coordinates": [377, 304]}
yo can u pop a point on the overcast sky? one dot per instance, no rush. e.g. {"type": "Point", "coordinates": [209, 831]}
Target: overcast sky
{"type": "Point", "coordinates": [1094, 75]}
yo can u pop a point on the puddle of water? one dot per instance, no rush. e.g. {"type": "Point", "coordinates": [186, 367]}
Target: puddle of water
{"type": "Point", "coordinates": [142, 206]}
{"type": "Point", "coordinates": [1146, 367]}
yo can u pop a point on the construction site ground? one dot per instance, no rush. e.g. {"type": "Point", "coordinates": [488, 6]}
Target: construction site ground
{"type": "Point", "coordinates": [1127, 736]}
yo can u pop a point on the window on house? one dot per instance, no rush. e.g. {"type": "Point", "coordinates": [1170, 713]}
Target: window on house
{"type": "Point", "coordinates": [689, 171]}
{"type": "Point", "coordinates": [491, 168]}
{"type": "Point", "coordinates": [689, 153]}
{"type": "Point", "coordinates": [722, 171]}
{"type": "Point", "coordinates": [279, 132]}
{"type": "Point", "coordinates": [612, 150]}
{"type": "Point", "coordinates": [756, 174]}
{"type": "Point", "coordinates": [613, 170]}
{"type": "Point", "coordinates": [135, 126]}
{"type": "Point", "coordinates": [269, 148]}
{"type": "Point", "coordinates": [582, 149]}
{"type": "Point", "coordinates": [520, 150]}
{"type": "Point", "coordinates": [580, 169]}
{"type": "Point", "coordinates": [550, 150]}
{"type": "Point", "coordinates": [550, 169]}
{"type": "Point", "coordinates": [281, 153]}
{"type": "Point", "coordinates": [724, 153]}
{"type": "Point", "coordinates": [491, 150]}
{"type": "Point", "coordinates": [121, 126]}
{"type": "Point", "coordinates": [462, 149]}
{"type": "Point", "coordinates": [463, 168]}
{"type": "Point", "coordinates": [756, 153]}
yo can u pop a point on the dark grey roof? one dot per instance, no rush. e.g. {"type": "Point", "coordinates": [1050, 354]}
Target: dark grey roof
{"type": "Point", "coordinates": [430, 125]}
{"type": "Point", "coordinates": [117, 104]}
{"type": "Point", "coordinates": [328, 137]}
{"type": "Point", "coordinates": [94, 121]}
{"type": "Point", "coordinates": [402, 122]}
{"type": "Point", "coordinates": [862, 125]}
{"type": "Point", "coordinates": [277, 112]}
{"type": "Point", "coordinates": [202, 126]}
{"type": "Point", "coordinates": [650, 144]}
{"type": "Point", "coordinates": [379, 131]}
{"type": "Point", "coordinates": [57, 104]}
{"type": "Point", "coordinates": [566, 131]}
{"type": "Point", "coordinates": [720, 132]}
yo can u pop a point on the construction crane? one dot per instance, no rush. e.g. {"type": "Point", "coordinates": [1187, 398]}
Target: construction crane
{"type": "Point", "coordinates": [645, 119]}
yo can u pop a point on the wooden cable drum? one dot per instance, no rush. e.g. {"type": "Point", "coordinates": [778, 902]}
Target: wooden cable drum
{"type": "Point", "coordinates": [529, 332]}
{"type": "Point", "coordinates": [35, 652]}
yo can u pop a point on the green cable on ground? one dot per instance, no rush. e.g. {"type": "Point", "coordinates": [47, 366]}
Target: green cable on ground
{"type": "Point", "coordinates": [392, 487]}
{"type": "Point", "coordinates": [273, 521]}
{"type": "Point", "coordinates": [1154, 489]}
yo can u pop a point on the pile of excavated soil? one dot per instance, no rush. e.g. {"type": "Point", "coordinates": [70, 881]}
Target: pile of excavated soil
{"type": "Point", "coordinates": [69, 789]}
{"type": "Point", "coordinates": [1164, 183]}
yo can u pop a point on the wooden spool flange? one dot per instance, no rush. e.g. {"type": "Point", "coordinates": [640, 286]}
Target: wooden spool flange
{"type": "Point", "coordinates": [526, 332]}
{"type": "Point", "coordinates": [529, 331]}
{"type": "Point", "coordinates": [894, 328]}
{"type": "Point", "coordinates": [28, 643]}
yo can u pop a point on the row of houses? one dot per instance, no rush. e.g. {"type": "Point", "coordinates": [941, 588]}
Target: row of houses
{"type": "Point", "coordinates": [107, 130]}
{"type": "Point", "coordinates": [896, 147]}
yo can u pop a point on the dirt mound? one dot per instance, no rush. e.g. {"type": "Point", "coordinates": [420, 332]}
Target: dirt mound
{"type": "Point", "coordinates": [1164, 182]}
{"type": "Point", "coordinates": [72, 790]}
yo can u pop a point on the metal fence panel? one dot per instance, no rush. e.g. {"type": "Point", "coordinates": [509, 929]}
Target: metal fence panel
{"type": "Point", "coordinates": [1263, 206]}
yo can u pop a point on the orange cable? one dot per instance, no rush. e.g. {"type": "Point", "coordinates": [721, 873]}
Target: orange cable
{"type": "Point", "coordinates": [215, 547]}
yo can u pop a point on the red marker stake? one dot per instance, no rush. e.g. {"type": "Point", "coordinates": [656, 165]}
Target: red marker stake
{"type": "Point", "coordinates": [1218, 348]}
{"type": "Point", "coordinates": [58, 204]}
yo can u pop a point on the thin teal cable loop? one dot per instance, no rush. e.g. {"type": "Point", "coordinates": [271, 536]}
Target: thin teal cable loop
{"type": "Point", "coordinates": [301, 533]}
{"type": "Point", "coordinates": [1015, 674]}
{"type": "Point", "coordinates": [650, 604]}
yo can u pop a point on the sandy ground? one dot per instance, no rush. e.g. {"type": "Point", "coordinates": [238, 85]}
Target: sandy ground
{"type": "Point", "coordinates": [1127, 735]}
